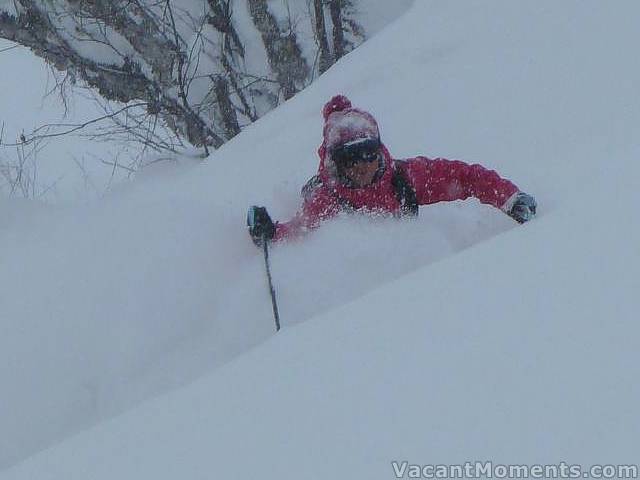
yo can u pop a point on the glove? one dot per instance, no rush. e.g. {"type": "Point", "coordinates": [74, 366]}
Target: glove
{"type": "Point", "coordinates": [523, 208]}
{"type": "Point", "coordinates": [261, 227]}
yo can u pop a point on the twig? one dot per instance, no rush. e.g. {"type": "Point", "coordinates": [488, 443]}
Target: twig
{"type": "Point", "coordinates": [6, 49]}
{"type": "Point", "coordinates": [73, 127]}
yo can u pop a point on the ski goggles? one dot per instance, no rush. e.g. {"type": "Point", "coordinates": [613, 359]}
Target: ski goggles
{"type": "Point", "coordinates": [358, 151]}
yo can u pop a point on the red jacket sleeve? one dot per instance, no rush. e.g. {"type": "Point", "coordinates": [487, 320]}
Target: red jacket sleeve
{"type": "Point", "coordinates": [318, 205]}
{"type": "Point", "coordinates": [441, 180]}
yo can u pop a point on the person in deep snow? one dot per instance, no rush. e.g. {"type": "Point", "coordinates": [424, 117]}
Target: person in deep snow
{"type": "Point", "coordinates": [358, 174]}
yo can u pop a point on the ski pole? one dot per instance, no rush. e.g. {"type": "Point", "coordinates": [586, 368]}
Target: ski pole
{"type": "Point", "coordinates": [274, 303]}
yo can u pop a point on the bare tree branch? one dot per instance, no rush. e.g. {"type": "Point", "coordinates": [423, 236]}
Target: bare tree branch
{"type": "Point", "coordinates": [71, 128]}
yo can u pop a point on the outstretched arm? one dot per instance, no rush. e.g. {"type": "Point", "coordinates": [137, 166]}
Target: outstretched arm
{"type": "Point", "coordinates": [318, 205]}
{"type": "Point", "coordinates": [441, 180]}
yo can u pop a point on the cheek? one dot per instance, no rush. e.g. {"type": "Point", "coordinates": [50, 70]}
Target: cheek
{"type": "Point", "coordinates": [372, 168]}
{"type": "Point", "coordinates": [362, 172]}
{"type": "Point", "coordinates": [365, 173]}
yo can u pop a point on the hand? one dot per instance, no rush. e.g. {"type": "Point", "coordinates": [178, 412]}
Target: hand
{"type": "Point", "coordinates": [261, 227]}
{"type": "Point", "coordinates": [523, 208]}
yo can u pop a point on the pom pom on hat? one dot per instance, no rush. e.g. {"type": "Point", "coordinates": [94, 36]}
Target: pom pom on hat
{"type": "Point", "coordinates": [338, 103]}
{"type": "Point", "coordinates": [344, 123]}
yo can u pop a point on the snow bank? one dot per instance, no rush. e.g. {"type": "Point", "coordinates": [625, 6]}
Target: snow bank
{"type": "Point", "coordinates": [520, 348]}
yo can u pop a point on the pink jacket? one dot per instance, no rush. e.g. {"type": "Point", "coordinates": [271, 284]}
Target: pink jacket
{"type": "Point", "coordinates": [432, 180]}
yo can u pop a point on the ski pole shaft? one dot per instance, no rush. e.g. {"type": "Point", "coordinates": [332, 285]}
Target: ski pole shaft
{"type": "Point", "coordinates": [274, 303]}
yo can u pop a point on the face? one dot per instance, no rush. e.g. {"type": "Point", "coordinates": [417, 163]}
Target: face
{"type": "Point", "coordinates": [358, 162]}
{"type": "Point", "coordinates": [362, 174]}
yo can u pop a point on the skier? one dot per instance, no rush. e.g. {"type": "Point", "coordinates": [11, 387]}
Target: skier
{"type": "Point", "coordinates": [358, 174]}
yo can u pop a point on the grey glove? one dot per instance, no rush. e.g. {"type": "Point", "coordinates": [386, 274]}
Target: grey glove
{"type": "Point", "coordinates": [523, 208]}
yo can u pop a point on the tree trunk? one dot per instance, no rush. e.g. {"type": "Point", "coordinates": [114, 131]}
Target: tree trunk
{"type": "Point", "coordinates": [321, 35]}
{"type": "Point", "coordinates": [335, 6]}
{"type": "Point", "coordinates": [220, 19]}
{"type": "Point", "coordinates": [283, 52]}
{"type": "Point", "coordinates": [227, 110]}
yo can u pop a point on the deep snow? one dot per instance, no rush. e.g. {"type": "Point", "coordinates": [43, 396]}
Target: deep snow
{"type": "Point", "coordinates": [399, 342]}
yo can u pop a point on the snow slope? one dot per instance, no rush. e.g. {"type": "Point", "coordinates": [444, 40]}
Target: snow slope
{"type": "Point", "coordinates": [97, 299]}
{"type": "Point", "coordinates": [521, 348]}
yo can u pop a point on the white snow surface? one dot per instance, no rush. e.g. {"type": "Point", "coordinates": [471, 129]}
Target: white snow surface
{"type": "Point", "coordinates": [457, 337]}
